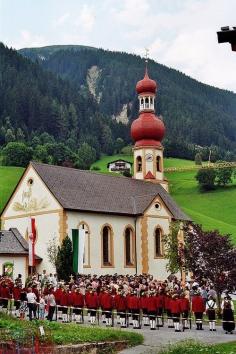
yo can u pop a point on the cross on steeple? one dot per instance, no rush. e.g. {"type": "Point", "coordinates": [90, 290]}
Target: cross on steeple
{"type": "Point", "coordinates": [146, 55]}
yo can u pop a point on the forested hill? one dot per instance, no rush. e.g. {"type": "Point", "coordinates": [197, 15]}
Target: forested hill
{"type": "Point", "coordinates": [38, 107]}
{"type": "Point", "coordinates": [193, 112]}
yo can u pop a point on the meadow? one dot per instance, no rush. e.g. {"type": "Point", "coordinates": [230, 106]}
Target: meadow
{"type": "Point", "coordinates": [214, 209]}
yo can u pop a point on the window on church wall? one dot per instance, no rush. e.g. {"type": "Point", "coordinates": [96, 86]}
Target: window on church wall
{"type": "Point", "coordinates": [86, 258]}
{"type": "Point", "coordinates": [139, 164]}
{"type": "Point", "coordinates": [106, 246]}
{"type": "Point", "coordinates": [158, 162]}
{"type": "Point", "coordinates": [158, 244]}
{"type": "Point", "coordinates": [129, 247]}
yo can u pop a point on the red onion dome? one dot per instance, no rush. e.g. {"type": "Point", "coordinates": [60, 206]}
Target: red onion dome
{"type": "Point", "coordinates": [147, 130]}
{"type": "Point", "coordinates": [146, 85]}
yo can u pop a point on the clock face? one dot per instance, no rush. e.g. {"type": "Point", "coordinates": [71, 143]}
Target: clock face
{"type": "Point", "coordinates": [149, 157]}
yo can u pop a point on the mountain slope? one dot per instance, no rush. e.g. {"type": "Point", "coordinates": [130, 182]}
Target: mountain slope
{"type": "Point", "coordinates": [193, 112]}
{"type": "Point", "coordinates": [34, 101]}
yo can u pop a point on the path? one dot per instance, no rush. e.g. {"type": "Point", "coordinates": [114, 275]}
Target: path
{"type": "Point", "coordinates": [156, 340]}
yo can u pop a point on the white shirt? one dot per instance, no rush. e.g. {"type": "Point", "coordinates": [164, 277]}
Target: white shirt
{"type": "Point", "coordinates": [31, 298]}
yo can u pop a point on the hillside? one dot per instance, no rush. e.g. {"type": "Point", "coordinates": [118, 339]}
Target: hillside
{"type": "Point", "coordinates": [9, 177]}
{"type": "Point", "coordinates": [193, 112]}
{"type": "Point", "coordinates": [35, 101]}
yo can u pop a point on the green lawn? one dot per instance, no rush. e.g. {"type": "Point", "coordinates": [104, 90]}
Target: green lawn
{"type": "Point", "coordinates": [9, 176]}
{"type": "Point", "coordinates": [190, 347]}
{"type": "Point", "coordinates": [64, 333]}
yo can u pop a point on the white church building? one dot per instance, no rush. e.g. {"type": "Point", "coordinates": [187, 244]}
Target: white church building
{"type": "Point", "coordinates": [124, 218]}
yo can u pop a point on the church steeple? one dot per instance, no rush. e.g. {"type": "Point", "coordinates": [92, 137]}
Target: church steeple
{"type": "Point", "coordinates": [147, 132]}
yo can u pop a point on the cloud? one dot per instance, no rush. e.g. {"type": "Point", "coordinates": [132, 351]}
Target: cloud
{"type": "Point", "coordinates": [61, 20]}
{"type": "Point", "coordinates": [86, 18]}
{"type": "Point", "coordinates": [27, 39]}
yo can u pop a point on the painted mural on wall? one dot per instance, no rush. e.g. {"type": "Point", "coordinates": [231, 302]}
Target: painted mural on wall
{"type": "Point", "coordinates": [29, 202]}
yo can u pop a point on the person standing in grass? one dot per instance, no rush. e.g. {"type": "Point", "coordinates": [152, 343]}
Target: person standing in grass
{"type": "Point", "coordinates": [227, 307]}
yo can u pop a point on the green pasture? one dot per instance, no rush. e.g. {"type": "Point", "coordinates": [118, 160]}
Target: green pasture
{"type": "Point", "coordinates": [9, 176]}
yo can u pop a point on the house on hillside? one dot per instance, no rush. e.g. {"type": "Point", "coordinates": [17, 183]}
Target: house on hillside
{"type": "Point", "coordinates": [119, 166]}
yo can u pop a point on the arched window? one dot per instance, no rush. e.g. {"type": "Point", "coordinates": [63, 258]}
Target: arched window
{"type": "Point", "coordinates": [129, 252]}
{"type": "Point", "coordinates": [158, 161]}
{"type": "Point", "coordinates": [158, 245]}
{"type": "Point", "coordinates": [107, 246]}
{"type": "Point", "coordinates": [139, 164]}
{"type": "Point", "coordinates": [84, 226]}
{"type": "Point", "coordinates": [146, 102]}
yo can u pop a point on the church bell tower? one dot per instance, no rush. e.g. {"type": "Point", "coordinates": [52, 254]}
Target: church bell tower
{"type": "Point", "coordinates": [147, 131]}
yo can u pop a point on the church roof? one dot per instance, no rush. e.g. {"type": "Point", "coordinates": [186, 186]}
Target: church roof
{"type": "Point", "coordinates": [12, 242]}
{"type": "Point", "coordinates": [96, 192]}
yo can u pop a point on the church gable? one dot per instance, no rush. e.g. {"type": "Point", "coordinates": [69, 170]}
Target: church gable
{"type": "Point", "coordinates": [30, 196]}
{"type": "Point", "coordinates": [158, 208]}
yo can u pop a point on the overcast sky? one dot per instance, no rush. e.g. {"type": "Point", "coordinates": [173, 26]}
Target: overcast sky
{"type": "Point", "coordinates": [179, 33]}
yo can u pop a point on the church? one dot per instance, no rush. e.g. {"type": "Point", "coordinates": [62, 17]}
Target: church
{"type": "Point", "coordinates": [123, 219]}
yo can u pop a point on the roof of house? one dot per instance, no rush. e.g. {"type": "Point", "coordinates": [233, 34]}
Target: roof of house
{"type": "Point", "coordinates": [12, 242]}
{"type": "Point", "coordinates": [95, 192]}
{"type": "Point", "coordinates": [119, 160]}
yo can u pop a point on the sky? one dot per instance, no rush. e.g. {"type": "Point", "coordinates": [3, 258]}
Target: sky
{"type": "Point", "coordinates": [178, 33]}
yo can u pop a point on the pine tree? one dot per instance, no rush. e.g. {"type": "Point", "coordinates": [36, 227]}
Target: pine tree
{"type": "Point", "coordinates": [64, 260]}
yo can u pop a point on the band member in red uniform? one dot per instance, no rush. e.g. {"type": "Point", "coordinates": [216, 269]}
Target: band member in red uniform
{"type": "Point", "coordinates": [198, 307]}
{"type": "Point", "coordinates": [144, 306]}
{"type": "Point", "coordinates": [160, 303]}
{"type": "Point", "coordinates": [133, 304]}
{"type": "Point", "coordinates": [107, 306]}
{"type": "Point", "coordinates": [152, 309]}
{"type": "Point", "coordinates": [16, 296]}
{"type": "Point", "coordinates": [78, 303]}
{"type": "Point", "coordinates": [64, 305]}
{"type": "Point", "coordinates": [92, 304]}
{"type": "Point", "coordinates": [5, 294]}
{"type": "Point", "coordinates": [100, 296]}
{"type": "Point", "coordinates": [175, 311]}
{"type": "Point", "coordinates": [168, 310]}
{"type": "Point", "coordinates": [121, 307]}
{"type": "Point", "coordinates": [185, 307]}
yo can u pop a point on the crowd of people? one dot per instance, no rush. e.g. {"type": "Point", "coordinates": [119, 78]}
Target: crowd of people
{"type": "Point", "coordinates": [134, 299]}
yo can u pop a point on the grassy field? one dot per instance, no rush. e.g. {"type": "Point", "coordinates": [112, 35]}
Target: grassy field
{"type": "Point", "coordinates": [191, 347]}
{"type": "Point", "coordinates": [65, 333]}
{"type": "Point", "coordinates": [214, 210]}
{"type": "Point", "coordinates": [9, 176]}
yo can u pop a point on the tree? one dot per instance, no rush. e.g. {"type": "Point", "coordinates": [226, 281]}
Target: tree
{"type": "Point", "coordinates": [64, 260]}
{"type": "Point", "coordinates": [198, 159]}
{"type": "Point", "coordinates": [210, 256]}
{"type": "Point", "coordinates": [52, 251]}
{"type": "Point", "coordinates": [171, 247]}
{"type": "Point", "coordinates": [224, 175]}
{"type": "Point", "coordinates": [41, 154]}
{"type": "Point", "coordinates": [20, 136]}
{"type": "Point", "coordinates": [206, 178]}
{"type": "Point", "coordinates": [10, 136]}
{"type": "Point", "coordinates": [86, 156]}
{"type": "Point", "coordinates": [17, 154]}
{"type": "Point", "coordinates": [119, 144]}
{"type": "Point", "coordinates": [107, 140]}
